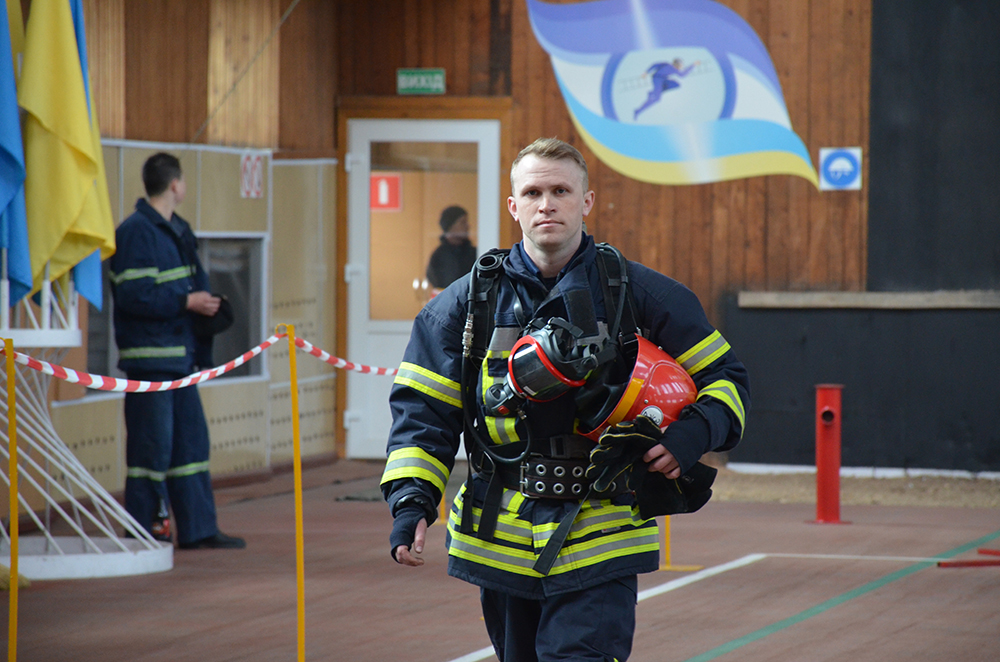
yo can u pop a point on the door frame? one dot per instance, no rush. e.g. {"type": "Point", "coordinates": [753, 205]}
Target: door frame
{"type": "Point", "coordinates": [404, 108]}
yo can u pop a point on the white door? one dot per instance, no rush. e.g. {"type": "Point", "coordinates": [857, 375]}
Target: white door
{"type": "Point", "coordinates": [402, 175]}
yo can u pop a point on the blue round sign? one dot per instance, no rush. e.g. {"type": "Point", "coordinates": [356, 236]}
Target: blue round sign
{"type": "Point", "coordinates": [840, 168]}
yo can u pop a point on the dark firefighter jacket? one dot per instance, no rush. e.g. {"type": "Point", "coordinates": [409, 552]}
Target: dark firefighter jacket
{"type": "Point", "coordinates": [608, 538]}
{"type": "Point", "coordinates": [152, 271]}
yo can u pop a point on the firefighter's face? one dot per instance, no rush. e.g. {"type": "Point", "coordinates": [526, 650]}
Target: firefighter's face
{"type": "Point", "coordinates": [549, 203]}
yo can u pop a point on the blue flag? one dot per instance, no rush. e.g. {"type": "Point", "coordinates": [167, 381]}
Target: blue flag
{"type": "Point", "coordinates": [670, 91]}
{"type": "Point", "coordinates": [87, 275]}
{"type": "Point", "coordinates": [13, 219]}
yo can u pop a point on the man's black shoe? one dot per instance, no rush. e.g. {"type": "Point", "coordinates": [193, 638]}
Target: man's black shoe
{"type": "Point", "coordinates": [218, 541]}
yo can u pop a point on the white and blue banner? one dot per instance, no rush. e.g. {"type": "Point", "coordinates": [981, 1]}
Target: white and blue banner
{"type": "Point", "coordinates": [670, 91]}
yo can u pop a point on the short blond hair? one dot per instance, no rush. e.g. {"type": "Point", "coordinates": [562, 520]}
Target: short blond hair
{"type": "Point", "coordinates": [555, 149]}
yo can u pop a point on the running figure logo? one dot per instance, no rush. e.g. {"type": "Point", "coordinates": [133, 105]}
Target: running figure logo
{"type": "Point", "coordinates": [663, 74]}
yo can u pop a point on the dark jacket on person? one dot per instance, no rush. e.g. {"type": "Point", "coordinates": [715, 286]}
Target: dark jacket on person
{"type": "Point", "coordinates": [153, 270]}
{"type": "Point", "coordinates": [449, 262]}
{"type": "Point", "coordinates": [609, 539]}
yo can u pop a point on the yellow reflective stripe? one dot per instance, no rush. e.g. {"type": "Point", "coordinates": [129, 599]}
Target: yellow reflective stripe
{"type": "Point", "coordinates": [153, 352]}
{"type": "Point", "coordinates": [429, 383]}
{"type": "Point", "coordinates": [176, 273]}
{"type": "Point", "coordinates": [152, 272]}
{"type": "Point", "coordinates": [187, 469]}
{"type": "Point", "coordinates": [501, 429]}
{"type": "Point", "coordinates": [415, 462]}
{"type": "Point", "coordinates": [134, 274]}
{"type": "Point", "coordinates": [704, 353]}
{"type": "Point", "coordinates": [725, 391]}
{"type": "Point", "coordinates": [639, 536]}
{"type": "Point", "coordinates": [139, 472]}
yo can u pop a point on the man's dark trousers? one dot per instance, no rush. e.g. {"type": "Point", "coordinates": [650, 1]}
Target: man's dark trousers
{"type": "Point", "coordinates": [596, 624]}
{"type": "Point", "coordinates": [167, 451]}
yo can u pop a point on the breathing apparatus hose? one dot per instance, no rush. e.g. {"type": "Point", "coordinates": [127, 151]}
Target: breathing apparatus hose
{"type": "Point", "coordinates": [490, 264]}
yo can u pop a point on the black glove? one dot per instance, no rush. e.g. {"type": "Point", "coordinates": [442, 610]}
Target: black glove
{"type": "Point", "coordinates": [404, 527]}
{"type": "Point", "coordinates": [658, 495]}
{"type": "Point", "coordinates": [619, 448]}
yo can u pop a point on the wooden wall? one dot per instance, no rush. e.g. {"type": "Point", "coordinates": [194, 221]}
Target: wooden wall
{"type": "Point", "coordinates": [762, 233]}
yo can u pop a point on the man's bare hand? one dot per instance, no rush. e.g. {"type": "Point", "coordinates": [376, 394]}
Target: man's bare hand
{"type": "Point", "coordinates": [203, 303]}
{"type": "Point", "coordinates": [411, 555]}
{"type": "Point", "coordinates": [660, 459]}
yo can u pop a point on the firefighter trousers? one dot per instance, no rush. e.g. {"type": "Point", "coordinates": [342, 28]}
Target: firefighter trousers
{"type": "Point", "coordinates": [166, 450]}
{"type": "Point", "coordinates": [596, 624]}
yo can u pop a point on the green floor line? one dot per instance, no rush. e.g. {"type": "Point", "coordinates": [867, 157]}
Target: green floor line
{"type": "Point", "coordinates": [833, 602]}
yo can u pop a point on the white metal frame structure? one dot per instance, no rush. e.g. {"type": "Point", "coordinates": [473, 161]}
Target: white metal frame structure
{"type": "Point", "coordinates": [78, 528]}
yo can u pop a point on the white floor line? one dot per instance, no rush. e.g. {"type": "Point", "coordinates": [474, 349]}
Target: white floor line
{"type": "Point", "coordinates": [698, 576]}
{"type": "Point", "coordinates": [486, 653]}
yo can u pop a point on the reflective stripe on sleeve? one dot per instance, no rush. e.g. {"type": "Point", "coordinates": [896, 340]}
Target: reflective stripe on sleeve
{"type": "Point", "coordinates": [704, 353]}
{"type": "Point", "coordinates": [176, 273]}
{"type": "Point", "coordinates": [160, 277]}
{"type": "Point", "coordinates": [725, 391]}
{"type": "Point", "coordinates": [153, 352]}
{"type": "Point", "coordinates": [429, 383]}
{"type": "Point", "coordinates": [415, 462]}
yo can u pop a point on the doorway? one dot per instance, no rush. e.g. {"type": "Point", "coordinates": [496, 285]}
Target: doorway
{"type": "Point", "coordinates": [402, 174]}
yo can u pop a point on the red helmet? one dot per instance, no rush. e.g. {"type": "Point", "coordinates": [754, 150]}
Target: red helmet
{"type": "Point", "coordinates": [658, 388]}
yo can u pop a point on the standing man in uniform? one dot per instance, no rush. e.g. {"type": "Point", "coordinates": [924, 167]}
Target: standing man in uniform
{"type": "Point", "coordinates": [159, 286]}
{"type": "Point", "coordinates": [552, 592]}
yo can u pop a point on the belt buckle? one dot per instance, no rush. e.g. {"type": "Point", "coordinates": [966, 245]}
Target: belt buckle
{"type": "Point", "coordinates": [523, 482]}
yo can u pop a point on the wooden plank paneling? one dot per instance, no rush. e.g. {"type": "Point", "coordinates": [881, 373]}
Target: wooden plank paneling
{"type": "Point", "coordinates": [105, 23]}
{"type": "Point", "coordinates": [243, 73]}
{"type": "Point", "coordinates": [775, 232]}
{"type": "Point", "coordinates": [307, 78]}
{"type": "Point", "coordinates": [166, 69]}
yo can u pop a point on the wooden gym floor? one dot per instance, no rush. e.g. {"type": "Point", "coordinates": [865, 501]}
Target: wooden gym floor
{"type": "Point", "coordinates": [773, 587]}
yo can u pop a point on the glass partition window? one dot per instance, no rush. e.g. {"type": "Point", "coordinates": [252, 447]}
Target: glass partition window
{"type": "Point", "coordinates": [235, 270]}
{"type": "Point", "coordinates": [423, 222]}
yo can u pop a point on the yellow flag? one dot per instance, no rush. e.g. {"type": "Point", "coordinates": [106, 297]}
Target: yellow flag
{"type": "Point", "coordinates": [69, 214]}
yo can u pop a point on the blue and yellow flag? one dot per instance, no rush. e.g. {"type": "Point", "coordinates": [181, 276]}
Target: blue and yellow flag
{"type": "Point", "coordinates": [670, 91]}
{"type": "Point", "coordinates": [69, 212]}
{"type": "Point", "coordinates": [13, 221]}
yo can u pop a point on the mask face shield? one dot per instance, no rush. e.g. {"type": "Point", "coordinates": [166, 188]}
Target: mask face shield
{"type": "Point", "coordinates": [533, 373]}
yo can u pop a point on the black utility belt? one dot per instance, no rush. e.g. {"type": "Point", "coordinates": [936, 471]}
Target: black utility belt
{"type": "Point", "coordinates": [556, 478]}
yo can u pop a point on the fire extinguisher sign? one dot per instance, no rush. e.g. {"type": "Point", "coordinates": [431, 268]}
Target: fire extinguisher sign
{"type": "Point", "coordinates": [251, 175]}
{"type": "Point", "coordinates": [385, 191]}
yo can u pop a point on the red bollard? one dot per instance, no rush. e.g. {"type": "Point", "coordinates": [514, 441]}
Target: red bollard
{"type": "Point", "coordinates": [828, 453]}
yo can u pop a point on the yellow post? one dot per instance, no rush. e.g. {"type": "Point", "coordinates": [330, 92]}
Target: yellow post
{"type": "Point", "coordinates": [300, 564]}
{"type": "Point", "coordinates": [665, 547]}
{"type": "Point", "coordinates": [8, 345]}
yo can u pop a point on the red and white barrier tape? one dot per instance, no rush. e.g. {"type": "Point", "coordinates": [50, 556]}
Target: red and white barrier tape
{"type": "Point", "coordinates": [341, 363]}
{"type": "Point", "coordinates": [102, 383]}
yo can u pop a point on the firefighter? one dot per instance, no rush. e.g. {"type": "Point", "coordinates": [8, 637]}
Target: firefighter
{"type": "Point", "coordinates": [548, 524]}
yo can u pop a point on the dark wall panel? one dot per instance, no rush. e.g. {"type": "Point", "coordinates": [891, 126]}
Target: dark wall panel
{"type": "Point", "coordinates": [919, 385]}
{"type": "Point", "coordinates": [935, 137]}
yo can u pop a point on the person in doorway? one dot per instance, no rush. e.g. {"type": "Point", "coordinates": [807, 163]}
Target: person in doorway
{"type": "Point", "coordinates": [158, 287]}
{"type": "Point", "coordinates": [454, 257]}
{"type": "Point", "coordinates": [557, 567]}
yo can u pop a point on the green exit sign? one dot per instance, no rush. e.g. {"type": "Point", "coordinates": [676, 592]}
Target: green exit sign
{"type": "Point", "coordinates": [419, 81]}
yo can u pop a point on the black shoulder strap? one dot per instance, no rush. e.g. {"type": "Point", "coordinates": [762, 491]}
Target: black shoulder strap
{"type": "Point", "coordinates": [614, 280]}
{"type": "Point", "coordinates": [480, 317]}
